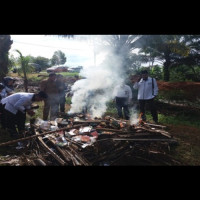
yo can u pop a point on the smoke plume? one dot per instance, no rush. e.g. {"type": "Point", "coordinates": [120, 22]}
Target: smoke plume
{"type": "Point", "coordinates": [97, 87]}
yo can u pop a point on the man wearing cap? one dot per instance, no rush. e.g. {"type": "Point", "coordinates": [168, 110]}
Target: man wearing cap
{"type": "Point", "coordinates": [16, 106]}
{"type": "Point", "coordinates": [50, 87]}
{"type": "Point", "coordinates": [147, 91]}
{"type": "Point", "coordinates": [8, 83]}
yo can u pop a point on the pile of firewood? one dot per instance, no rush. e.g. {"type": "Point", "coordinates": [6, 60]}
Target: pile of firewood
{"type": "Point", "coordinates": [77, 140]}
{"type": "Point", "coordinates": [88, 142]}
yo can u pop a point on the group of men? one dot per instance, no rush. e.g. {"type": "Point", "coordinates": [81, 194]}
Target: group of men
{"type": "Point", "coordinates": [15, 105]}
{"type": "Point", "coordinates": [147, 91]}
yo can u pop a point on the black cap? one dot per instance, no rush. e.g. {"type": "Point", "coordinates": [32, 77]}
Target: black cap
{"type": "Point", "coordinates": [43, 95]}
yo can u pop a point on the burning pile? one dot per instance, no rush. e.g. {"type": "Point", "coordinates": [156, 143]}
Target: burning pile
{"type": "Point", "coordinates": [78, 140]}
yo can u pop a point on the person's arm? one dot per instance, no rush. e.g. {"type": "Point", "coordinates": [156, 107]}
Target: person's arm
{"type": "Point", "coordinates": [136, 85]}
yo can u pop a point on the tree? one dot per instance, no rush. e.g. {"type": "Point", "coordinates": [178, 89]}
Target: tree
{"type": "Point", "coordinates": [164, 48]}
{"type": "Point", "coordinates": [5, 45]}
{"type": "Point", "coordinates": [42, 61]}
{"type": "Point", "coordinates": [122, 47]}
{"type": "Point", "coordinates": [58, 58]}
{"type": "Point", "coordinates": [24, 68]}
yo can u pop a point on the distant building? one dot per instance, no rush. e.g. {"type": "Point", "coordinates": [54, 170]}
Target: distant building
{"type": "Point", "coordinates": [75, 69]}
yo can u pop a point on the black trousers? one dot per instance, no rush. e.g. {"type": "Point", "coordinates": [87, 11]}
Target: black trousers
{"type": "Point", "coordinates": [152, 107]}
{"type": "Point", "coordinates": [122, 107]}
{"type": "Point", "coordinates": [62, 103]}
{"type": "Point", "coordinates": [2, 116]}
{"type": "Point", "coordinates": [15, 124]}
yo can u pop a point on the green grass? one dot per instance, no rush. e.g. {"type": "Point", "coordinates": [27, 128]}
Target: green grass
{"type": "Point", "coordinates": [179, 120]}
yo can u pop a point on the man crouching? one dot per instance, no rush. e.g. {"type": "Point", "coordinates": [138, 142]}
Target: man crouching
{"type": "Point", "coordinates": [16, 106]}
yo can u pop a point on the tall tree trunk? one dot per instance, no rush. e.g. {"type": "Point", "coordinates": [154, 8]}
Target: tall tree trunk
{"type": "Point", "coordinates": [5, 45]}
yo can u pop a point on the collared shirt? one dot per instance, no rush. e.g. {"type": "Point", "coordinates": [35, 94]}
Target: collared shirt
{"type": "Point", "coordinates": [145, 89]}
{"type": "Point", "coordinates": [18, 101]}
{"type": "Point", "coordinates": [123, 91]}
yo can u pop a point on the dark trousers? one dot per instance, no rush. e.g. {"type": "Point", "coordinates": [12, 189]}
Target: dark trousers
{"type": "Point", "coordinates": [2, 116]}
{"type": "Point", "coordinates": [152, 106]}
{"type": "Point", "coordinates": [62, 103]}
{"type": "Point", "coordinates": [51, 105]}
{"type": "Point", "coordinates": [15, 124]}
{"type": "Point", "coordinates": [122, 107]}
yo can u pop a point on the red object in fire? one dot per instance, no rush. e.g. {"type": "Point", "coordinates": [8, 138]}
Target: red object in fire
{"type": "Point", "coordinates": [95, 134]}
{"type": "Point", "coordinates": [85, 138]}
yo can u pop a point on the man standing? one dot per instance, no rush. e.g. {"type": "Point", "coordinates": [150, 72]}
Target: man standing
{"type": "Point", "coordinates": [147, 91]}
{"type": "Point", "coordinates": [62, 90]}
{"type": "Point", "coordinates": [50, 87]}
{"type": "Point", "coordinates": [123, 96]}
{"type": "Point", "coordinates": [16, 106]}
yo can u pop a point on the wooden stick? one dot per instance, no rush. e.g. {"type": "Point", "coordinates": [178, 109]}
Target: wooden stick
{"type": "Point", "coordinates": [111, 130]}
{"type": "Point", "coordinates": [145, 140]}
{"type": "Point", "coordinates": [34, 136]}
{"type": "Point", "coordinates": [165, 133]}
{"type": "Point", "coordinates": [155, 125]}
{"type": "Point", "coordinates": [61, 161]}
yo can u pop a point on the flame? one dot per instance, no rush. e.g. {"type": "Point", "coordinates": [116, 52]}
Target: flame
{"type": "Point", "coordinates": [140, 121]}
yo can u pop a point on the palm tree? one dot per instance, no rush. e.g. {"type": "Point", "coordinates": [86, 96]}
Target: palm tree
{"type": "Point", "coordinates": [5, 45]}
{"type": "Point", "coordinates": [25, 68]}
{"type": "Point", "coordinates": [165, 48]}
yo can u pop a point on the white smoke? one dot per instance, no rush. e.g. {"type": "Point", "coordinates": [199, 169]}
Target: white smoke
{"type": "Point", "coordinates": [134, 117]}
{"type": "Point", "coordinates": [97, 88]}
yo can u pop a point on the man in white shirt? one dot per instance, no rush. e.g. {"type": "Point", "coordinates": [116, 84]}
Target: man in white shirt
{"type": "Point", "coordinates": [147, 91]}
{"type": "Point", "coordinates": [123, 97]}
{"type": "Point", "coordinates": [16, 106]}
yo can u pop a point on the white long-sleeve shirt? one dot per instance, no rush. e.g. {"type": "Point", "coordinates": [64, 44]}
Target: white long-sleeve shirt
{"type": "Point", "coordinates": [18, 101]}
{"type": "Point", "coordinates": [123, 91]}
{"type": "Point", "coordinates": [145, 89]}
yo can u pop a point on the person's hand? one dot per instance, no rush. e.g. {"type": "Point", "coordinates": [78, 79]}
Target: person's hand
{"type": "Point", "coordinates": [135, 78]}
{"type": "Point", "coordinates": [30, 112]}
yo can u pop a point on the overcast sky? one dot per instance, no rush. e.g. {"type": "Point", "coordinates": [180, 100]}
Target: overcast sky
{"type": "Point", "coordinates": [78, 53]}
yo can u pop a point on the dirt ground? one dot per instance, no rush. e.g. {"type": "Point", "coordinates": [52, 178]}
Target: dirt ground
{"type": "Point", "coordinates": [190, 89]}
